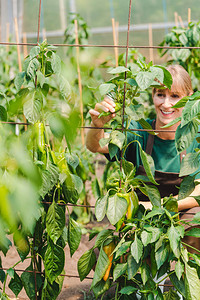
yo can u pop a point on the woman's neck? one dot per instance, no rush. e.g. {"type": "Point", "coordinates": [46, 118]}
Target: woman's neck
{"type": "Point", "coordinates": [166, 135]}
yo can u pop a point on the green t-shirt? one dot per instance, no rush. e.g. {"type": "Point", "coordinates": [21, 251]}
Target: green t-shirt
{"type": "Point", "coordinates": [164, 153]}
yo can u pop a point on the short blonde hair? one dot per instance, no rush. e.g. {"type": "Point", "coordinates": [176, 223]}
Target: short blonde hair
{"type": "Point", "coordinates": [181, 80]}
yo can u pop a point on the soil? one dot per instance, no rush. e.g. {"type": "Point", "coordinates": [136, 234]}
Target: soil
{"type": "Point", "coordinates": [73, 288]}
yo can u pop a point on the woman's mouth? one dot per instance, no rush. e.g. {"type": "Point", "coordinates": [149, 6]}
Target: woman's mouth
{"type": "Point", "coordinates": [167, 113]}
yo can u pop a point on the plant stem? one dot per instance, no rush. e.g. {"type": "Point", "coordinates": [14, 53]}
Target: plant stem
{"type": "Point", "coordinates": [190, 247]}
{"type": "Point", "coordinates": [165, 277]}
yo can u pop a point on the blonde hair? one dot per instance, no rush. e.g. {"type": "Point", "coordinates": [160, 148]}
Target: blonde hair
{"type": "Point", "coordinates": [181, 80]}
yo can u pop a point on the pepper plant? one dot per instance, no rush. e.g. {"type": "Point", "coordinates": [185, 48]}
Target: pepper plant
{"type": "Point", "coordinates": [188, 58]}
{"type": "Point", "coordinates": [44, 176]}
{"type": "Point", "coordinates": [136, 255]}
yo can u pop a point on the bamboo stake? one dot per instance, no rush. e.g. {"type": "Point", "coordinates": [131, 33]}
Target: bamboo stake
{"type": "Point", "coordinates": [117, 35]}
{"type": "Point", "coordinates": [25, 49]}
{"type": "Point", "coordinates": [176, 18]}
{"type": "Point", "coordinates": [115, 42]}
{"type": "Point", "coordinates": [18, 47]}
{"type": "Point", "coordinates": [19, 57]}
{"type": "Point", "coordinates": [189, 15]}
{"type": "Point", "coordinates": [7, 35]}
{"type": "Point", "coordinates": [181, 21]}
{"type": "Point", "coordinates": [151, 42]}
{"type": "Point", "coordinates": [44, 34]}
{"type": "Point", "coordinates": [79, 82]}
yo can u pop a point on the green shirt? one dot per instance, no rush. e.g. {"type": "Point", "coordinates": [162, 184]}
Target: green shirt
{"type": "Point", "coordinates": [164, 153]}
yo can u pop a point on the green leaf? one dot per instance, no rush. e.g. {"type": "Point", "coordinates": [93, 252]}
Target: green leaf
{"type": "Point", "coordinates": [132, 267]}
{"type": "Point", "coordinates": [144, 79]}
{"type": "Point", "coordinates": [178, 284]}
{"type": "Point", "coordinates": [118, 70]}
{"type": "Point", "coordinates": [19, 80]}
{"type": "Point", "coordinates": [193, 232]}
{"type": "Point", "coordinates": [117, 207]}
{"type": "Point", "coordinates": [56, 63]}
{"type": "Point", "coordinates": [72, 159]}
{"type": "Point", "coordinates": [105, 88]}
{"type": "Point", "coordinates": [148, 164]}
{"type": "Point", "coordinates": [171, 295]}
{"type": "Point", "coordinates": [156, 233]}
{"type": "Point", "coordinates": [185, 135]}
{"type": "Point", "coordinates": [146, 237]}
{"type": "Point", "coordinates": [145, 273]}
{"type": "Point", "coordinates": [74, 235]}
{"type": "Point", "coordinates": [158, 73]}
{"type": "Point", "coordinates": [190, 111]}
{"type": "Point", "coordinates": [32, 67]}
{"type": "Point", "coordinates": [32, 106]}
{"type": "Point", "coordinates": [122, 249]}
{"type": "Point", "coordinates": [172, 122]}
{"type": "Point", "coordinates": [179, 269]}
{"type": "Point", "coordinates": [100, 207]}
{"type": "Point", "coordinates": [193, 283]}
{"type": "Point", "coordinates": [161, 255]}
{"type": "Point", "coordinates": [174, 239]}
{"type": "Point", "coordinates": [117, 138]}
{"type": "Point", "coordinates": [55, 221]}
{"type": "Point", "coordinates": [50, 291]}
{"type": "Point", "coordinates": [137, 249]}
{"type": "Point", "coordinates": [101, 287]}
{"type": "Point", "coordinates": [146, 125]}
{"type": "Point", "coordinates": [65, 88]}
{"type": "Point", "coordinates": [136, 112]}
{"type": "Point", "coordinates": [187, 187]}
{"type": "Point", "coordinates": [189, 164]}
{"type": "Point", "coordinates": [54, 261]}
{"type": "Point", "coordinates": [3, 114]}
{"type": "Point", "coordinates": [167, 77]}
{"type": "Point", "coordinates": [113, 150]}
{"type": "Point", "coordinates": [35, 51]}
{"type": "Point", "coordinates": [86, 263]}
{"type": "Point", "coordinates": [15, 284]}
{"type": "Point", "coordinates": [128, 290]}
{"type": "Point", "coordinates": [28, 281]}
{"type": "Point", "coordinates": [119, 270]}
{"type": "Point", "coordinates": [153, 194]}
{"type": "Point", "coordinates": [101, 267]}
{"type": "Point", "coordinates": [102, 236]}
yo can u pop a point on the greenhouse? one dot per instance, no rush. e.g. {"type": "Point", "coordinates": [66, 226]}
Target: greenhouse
{"type": "Point", "coordinates": [100, 149]}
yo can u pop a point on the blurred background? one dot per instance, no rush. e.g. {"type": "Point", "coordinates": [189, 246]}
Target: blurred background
{"type": "Point", "coordinates": [150, 20]}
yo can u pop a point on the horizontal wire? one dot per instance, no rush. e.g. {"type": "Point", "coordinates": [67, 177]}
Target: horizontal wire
{"type": "Point", "coordinates": [99, 46]}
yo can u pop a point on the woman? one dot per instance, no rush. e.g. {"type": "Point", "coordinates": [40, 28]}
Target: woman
{"type": "Point", "coordinates": [161, 147]}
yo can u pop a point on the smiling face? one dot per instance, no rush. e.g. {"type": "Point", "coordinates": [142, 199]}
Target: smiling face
{"type": "Point", "coordinates": [164, 101]}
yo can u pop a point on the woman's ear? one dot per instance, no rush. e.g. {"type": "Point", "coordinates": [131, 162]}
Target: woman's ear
{"type": "Point", "coordinates": [190, 94]}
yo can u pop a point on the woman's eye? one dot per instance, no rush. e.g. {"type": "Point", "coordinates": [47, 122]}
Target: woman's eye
{"type": "Point", "coordinates": [160, 95]}
{"type": "Point", "coordinates": [175, 96]}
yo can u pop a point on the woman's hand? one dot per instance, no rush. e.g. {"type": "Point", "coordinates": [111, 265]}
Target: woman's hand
{"type": "Point", "coordinates": [107, 105]}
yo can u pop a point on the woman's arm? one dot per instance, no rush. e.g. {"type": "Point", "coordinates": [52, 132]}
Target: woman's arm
{"type": "Point", "coordinates": [190, 202]}
{"type": "Point", "coordinates": [94, 135]}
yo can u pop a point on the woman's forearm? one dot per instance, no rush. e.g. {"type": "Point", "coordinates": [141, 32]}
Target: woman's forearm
{"type": "Point", "coordinates": [92, 140]}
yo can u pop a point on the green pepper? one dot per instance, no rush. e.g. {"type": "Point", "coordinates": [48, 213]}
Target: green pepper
{"type": "Point", "coordinates": [133, 205]}
{"type": "Point", "coordinates": [118, 106]}
{"type": "Point", "coordinates": [40, 141]}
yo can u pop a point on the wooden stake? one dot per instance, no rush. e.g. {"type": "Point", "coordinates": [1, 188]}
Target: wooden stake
{"type": "Point", "coordinates": [181, 21]}
{"type": "Point", "coordinates": [79, 82]}
{"type": "Point", "coordinates": [150, 42]}
{"type": "Point", "coordinates": [115, 42]}
{"type": "Point", "coordinates": [25, 46]}
{"type": "Point", "coordinates": [18, 47]}
{"type": "Point", "coordinates": [44, 34]}
{"type": "Point", "coordinates": [176, 18]}
{"type": "Point", "coordinates": [19, 58]}
{"type": "Point", "coordinates": [7, 35]}
{"type": "Point", "coordinates": [189, 15]}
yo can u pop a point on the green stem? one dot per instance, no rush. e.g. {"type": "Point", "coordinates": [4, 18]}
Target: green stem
{"type": "Point", "coordinates": [116, 291]}
{"type": "Point", "coordinates": [190, 246]}
{"type": "Point", "coordinates": [165, 277]}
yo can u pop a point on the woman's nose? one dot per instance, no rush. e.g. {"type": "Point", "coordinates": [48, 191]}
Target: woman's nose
{"type": "Point", "coordinates": [167, 102]}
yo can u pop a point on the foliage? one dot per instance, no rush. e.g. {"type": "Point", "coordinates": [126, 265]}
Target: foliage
{"type": "Point", "coordinates": [188, 58]}
{"type": "Point", "coordinates": [37, 177]}
{"type": "Point", "coordinates": [146, 242]}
